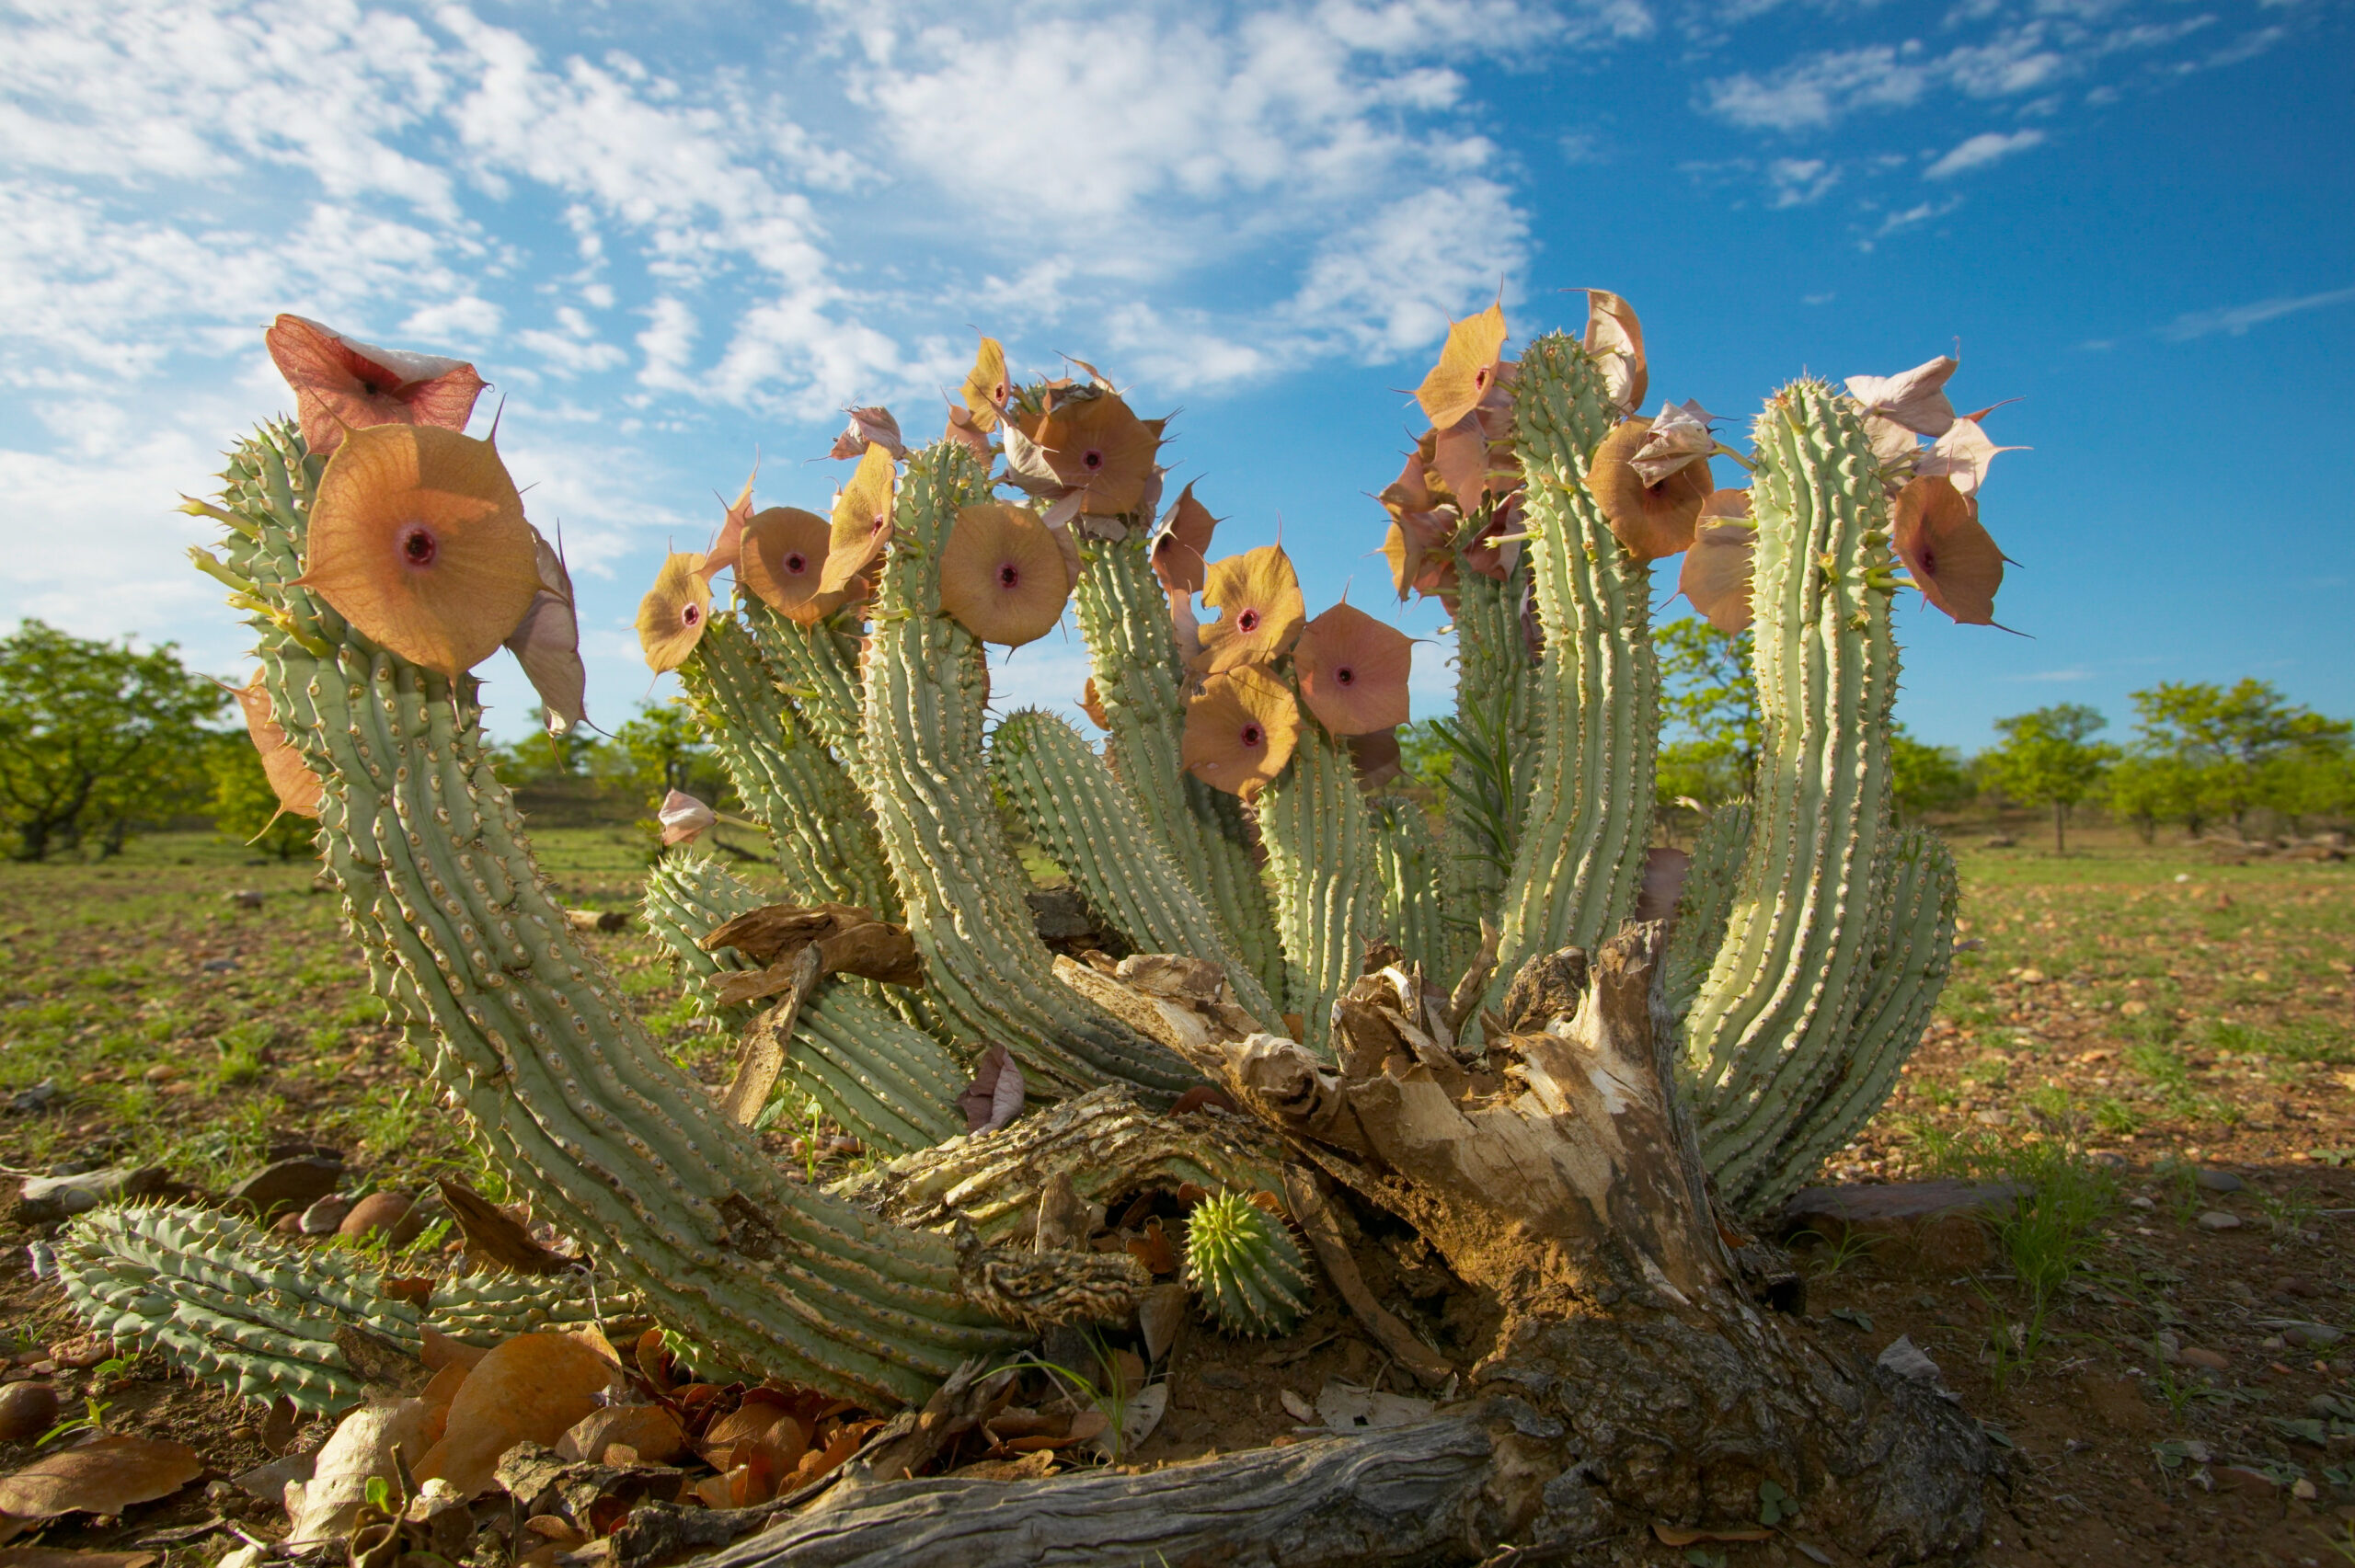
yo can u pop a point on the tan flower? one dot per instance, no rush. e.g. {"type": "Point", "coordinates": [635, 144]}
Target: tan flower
{"type": "Point", "coordinates": [1716, 571]}
{"type": "Point", "coordinates": [546, 643]}
{"type": "Point", "coordinates": [1466, 368]}
{"type": "Point", "coordinates": [1954, 561]}
{"type": "Point", "coordinates": [870, 427]}
{"type": "Point", "coordinates": [1181, 545]}
{"type": "Point", "coordinates": [1916, 398]}
{"type": "Point", "coordinates": [1615, 339]}
{"type": "Point", "coordinates": [418, 538]}
{"type": "Point", "coordinates": [986, 388]}
{"type": "Point", "coordinates": [1240, 732]}
{"type": "Point", "coordinates": [783, 561]}
{"type": "Point", "coordinates": [341, 383]}
{"type": "Point", "coordinates": [721, 556]}
{"type": "Point", "coordinates": [1651, 520]}
{"type": "Point", "coordinates": [1679, 434]}
{"type": "Point", "coordinates": [1420, 551]}
{"type": "Point", "coordinates": [1963, 454]}
{"type": "Point", "coordinates": [1257, 596]}
{"type": "Point", "coordinates": [967, 434]}
{"type": "Point", "coordinates": [862, 521]}
{"type": "Point", "coordinates": [682, 817]}
{"type": "Point", "coordinates": [1353, 671]}
{"type": "Point", "coordinates": [1100, 448]}
{"type": "Point", "coordinates": [672, 616]}
{"type": "Point", "coordinates": [298, 789]}
{"type": "Point", "coordinates": [1376, 757]}
{"type": "Point", "coordinates": [1002, 575]}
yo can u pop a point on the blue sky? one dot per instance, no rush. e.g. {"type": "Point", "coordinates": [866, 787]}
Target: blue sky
{"type": "Point", "coordinates": [675, 236]}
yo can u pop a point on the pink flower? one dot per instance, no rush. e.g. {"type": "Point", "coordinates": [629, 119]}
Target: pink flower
{"type": "Point", "coordinates": [341, 383]}
{"type": "Point", "coordinates": [682, 817]}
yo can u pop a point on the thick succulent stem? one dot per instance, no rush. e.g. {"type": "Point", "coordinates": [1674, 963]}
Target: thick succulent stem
{"type": "Point", "coordinates": [924, 692]}
{"type": "Point", "coordinates": [1704, 903]}
{"type": "Point", "coordinates": [1581, 856]}
{"type": "Point", "coordinates": [817, 670]}
{"type": "Point", "coordinates": [1326, 866]}
{"type": "Point", "coordinates": [535, 1042]}
{"type": "Point", "coordinates": [1141, 683]}
{"type": "Point", "coordinates": [1496, 679]}
{"type": "Point", "coordinates": [1773, 1021]}
{"type": "Point", "coordinates": [825, 842]}
{"type": "Point", "coordinates": [1412, 914]}
{"type": "Point", "coordinates": [1093, 829]}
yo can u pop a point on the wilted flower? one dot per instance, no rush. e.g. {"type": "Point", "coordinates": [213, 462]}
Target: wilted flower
{"type": "Point", "coordinates": [1716, 569]}
{"type": "Point", "coordinates": [341, 383]}
{"type": "Point", "coordinates": [1098, 447]}
{"type": "Point", "coordinates": [1240, 732]}
{"type": "Point", "coordinates": [1091, 702]}
{"type": "Point", "coordinates": [417, 538]}
{"type": "Point", "coordinates": [298, 789]}
{"type": "Point", "coordinates": [672, 616]}
{"type": "Point", "coordinates": [1651, 520]}
{"type": "Point", "coordinates": [1679, 434]}
{"type": "Point", "coordinates": [862, 521]}
{"type": "Point", "coordinates": [1470, 466]}
{"type": "Point", "coordinates": [967, 434]}
{"type": "Point", "coordinates": [1963, 455]}
{"type": "Point", "coordinates": [986, 388]}
{"type": "Point", "coordinates": [1185, 626]}
{"type": "Point", "coordinates": [1615, 339]}
{"type": "Point", "coordinates": [1002, 575]}
{"type": "Point", "coordinates": [1466, 368]}
{"type": "Point", "coordinates": [1954, 561]}
{"type": "Point", "coordinates": [870, 427]}
{"type": "Point", "coordinates": [1353, 671]}
{"type": "Point", "coordinates": [1260, 611]}
{"type": "Point", "coordinates": [546, 643]}
{"type": "Point", "coordinates": [721, 556]}
{"type": "Point", "coordinates": [784, 560]}
{"type": "Point", "coordinates": [682, 817]}
{"type": "Point", "coordinates": [1916, 398]}
{"type": "Point", "coordinates": [1418, 550]}
{"type": "Point", "coordinates": [1181, 545]}
{"type": "Point", "coordinates": [1496, 549]}
{"type": "Point", "coordinates": [1376, 758]}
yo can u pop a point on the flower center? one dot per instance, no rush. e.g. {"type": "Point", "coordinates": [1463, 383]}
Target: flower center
{"type": "Point", "coordinates": [1247, 623]}
{"type": "Point", "coordinates": [796, 562]}
{"type": "Point", "coordinates": [1252, 736]}
{"type": "Point", "coordinates": [1480, 378]}
{"type": "Point", "coordinates": [1091, 459]}
{"type": "Point", "coordinates": [1009, 576]}
{"type": "Point", "coordinates": [1345, 676]}
{"type": "Point", "coordinates": [418, 547]}
{"type": "Point", "coordinates": [879, 524]}
{"type": "Point", "coordinates": [691, 615]}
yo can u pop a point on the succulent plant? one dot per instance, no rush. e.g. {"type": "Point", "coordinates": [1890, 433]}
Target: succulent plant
{"type": "Point", "coordinates": [1245, 1266]}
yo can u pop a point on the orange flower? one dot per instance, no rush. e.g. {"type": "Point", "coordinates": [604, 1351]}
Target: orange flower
{"type": "Point", "coordinates": [862, 521]}
{"type": "Point", "coordinates": [1257, 596]}
{"type": "Point", "coordinates": [1466, 368]}
{"type": "Point", "coordinates": [1615, 339]}
{"type": "Point", "coordinates": [1715, 572]}
{"type": "Point", "coordinates": [1240, 732]}
{"type": "Point", "coordinates": [1181, 545]}
{"type": "Point", "coordinates": [1091, 702]}
{"type": "Point", "coordinates": [418, 538]}
{"type": "Point", "coordinates": [1651, 520]}
{"type": "Point", "coordinates": [972, 437]}
{"type": "Point", "coordinates": [672, 616]}
{"type": "Point", "coordinates": [1963, 454]}
{"type": "Point", "coordinates": [298, 789]}
{"type": "Point", "coordinates": [721, 556]}
{"type": "Point", "coordinates": [986, 388]}
{"type": "Point", "coordinates": [1097, 446]}
{"type": "Point", "coordinates": [546, 643]}
{"type": "Point", "coordinates": [783, 561]}
{"type": "Point", "coordinates": [341, 383]}
{"type": "Point", "coordinates": [1954, 561]}
{"type": "Point", "coordinates": [1420, 551]}
{"type": "Point", "coordinates": [1002, 575]}
{"type": "Point", "coordinates": [1353, 671]}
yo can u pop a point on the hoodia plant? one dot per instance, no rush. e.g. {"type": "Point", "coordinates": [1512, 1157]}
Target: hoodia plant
{"type": "Point", "coordinates": [1579, 1065]}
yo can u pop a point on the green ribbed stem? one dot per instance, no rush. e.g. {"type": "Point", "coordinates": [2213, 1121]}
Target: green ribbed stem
{"type": "Point", "coordinates": [825, 842]}
{"type": "Point", "coordinates": [1583, 837]}
{"type": "Point", "coordinates": [1326, 866]}
{"type": "Point", "coordinates": [1245, 1266]}
{"type": "Point", "coordinates": [226, 1302]}
{"type": "Point", "coordinates": [817, 668]}
{"type": "Point", "coordinates": [1773, 1021]}
{"type": "Point", "coordinates": [537, 1044]}
{"type": "Point", "coordinates": [1409, 855]}
{"type": "Point", "coordinates": [1142, 685]}
{"type": "Point", "coordinates": [1091, 826]}
{"type": "Point", "coordinates": [1704, 903]}
{"type": "Point", "coordinates": [1495, 681]}
{"type": "Point", "coordinates": [986, 969]}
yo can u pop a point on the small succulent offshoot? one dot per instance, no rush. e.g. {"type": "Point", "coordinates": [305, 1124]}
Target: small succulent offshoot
{"type": "Point", "coordinates": [1245, 1266]}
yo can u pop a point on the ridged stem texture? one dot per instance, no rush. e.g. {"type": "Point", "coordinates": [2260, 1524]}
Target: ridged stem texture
{"type": "Point", "coordinates": [1496, 678]}
{"type": "Point", "coordinates": [925, 688]}
{"type": "Point", "coordinates": [1325, 869]}
{"type": "Point", "coordinates": [1409, 855]}
{"type": "Point", "coordinates": [1704, 904]}
{"type": "Point", "coordinates": [816, 668]}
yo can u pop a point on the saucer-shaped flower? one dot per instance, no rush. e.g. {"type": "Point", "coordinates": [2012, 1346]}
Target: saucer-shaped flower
{"type": "Point", "coordinates": [1715, 572]}
{"type": "Point", "coordinates": [1240, 732]}
{"type": "Point", "coordinates": [862, 521]}
{"type": "Point", "coordinates": [1615, 339]}
{"type": "Point", "coordinates": [1260, 610]}
{"type": "Point", "coordinates": [1916, 398]}
{"type": "Point", "coordinates": [986, 388]}
{"type": "Point", "coordinates": [1680, 435]}
{"type": "Point", "coordinates": [1963, 454]}
{"type": "Point", "coordinates": [1002, 575]}
{"type": "Point", "coordinates": [1098, 447]}
{"type": "Point", "coordinates": [546, 643]}
{"type": "Point", "coordinates": [672, 616]}
{"type": "Point", "coordinates": [1353, 670]}
{"type": "Point", "coordinates": [1181, 545]}
{"type": "Point", "coordinates": [1466, 368]}
{"type": "Point", "coordinates": [784, 560]}
{"type": "Point", "coordinates": [1953, 559]}
{"type": "Point", "coordinates": [1651, 520]}
{"type": "Point", "coordinates": [298, 789]}
{"type": "Point", "coordinates": [341, 383]}
{"type": "Point", "coordinates": [418, 538]}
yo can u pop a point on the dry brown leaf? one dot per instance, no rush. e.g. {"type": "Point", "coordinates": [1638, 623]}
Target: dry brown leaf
{"type": "Point", "coordinates": [1155, 1250]}
{"type": "Point", "coordinates": [58, 1557]}
{"type": "Point", "coordinates": [497, 1234]}
{"type": "Point", "coordinates": [651, 1432]}
{"type": "Point", "coordinates": [1689, 1535]}
{"type": "Point", "coordinates": [105, 1475]}
{"type": "Point", "coordinates": [441, 1351]}
{"type": "Point", "coordinates": [531, 1388]}
{"type": "Point", "coordinates": [361, 1448]}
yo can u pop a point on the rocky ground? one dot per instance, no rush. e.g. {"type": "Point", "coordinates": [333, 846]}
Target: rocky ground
{"type": "Point", "coordinates": [2160, 1048]}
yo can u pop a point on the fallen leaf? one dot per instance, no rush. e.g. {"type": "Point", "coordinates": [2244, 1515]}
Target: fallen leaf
{"type": "Point", "coordinates": [441, 1351]}
{"type": "Point", "coordinates": [58, 1557]}
{"type": "Point", "coordinates": [531, 1388]}
{"type": "Point", "coordinates": [360, 1450]}
{"type": "Point", "coordinates": [1140, 1414]}
{"type": "Point", "coordinates": [105, 1475]}
{"type": "Point", "coordinates": [1686, 1535]}
{"type": "Point", "coordinates": [497, 1234]}
{"type": "Point", "coordinates": [1155, 1250]}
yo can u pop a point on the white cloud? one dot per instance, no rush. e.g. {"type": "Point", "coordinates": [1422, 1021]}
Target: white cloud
{"type": "Point", "coordinates": [1390, 284]}
{"type": "Point", "coordinates": [1797, 182]}
{"type": "Point", "coordinates": [2237, 319]}
{"type": "Point", "coordinates": [1977, 151]}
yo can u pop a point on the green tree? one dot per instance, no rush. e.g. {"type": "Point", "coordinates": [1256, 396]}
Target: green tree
{"type": "Point", "coordinates": [95, 739]}
{"type": "Point", "coordinates": [245, 808]}
{"type": "Point", "coordinates": [2234, 735]}
{"type": "Point", "coordinates": [1709, 702]}
{"type": "Point", "coordinates": [661, 748]}
{"type": "Point", "coordinates": [1925, 778]}
{"type": "Point", "coordinates": [2049, 758]}
{"type": "Point", "coordinates": [2148, 786]}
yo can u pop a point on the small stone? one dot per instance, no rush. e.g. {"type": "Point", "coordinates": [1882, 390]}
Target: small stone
{"type": "Point", "coordinates": [2309, 1335]}
{"type": "Point", "coordinates": [2217, 1220]}
{"type": "Point", "coordinates": [385, 1213]}
{"type": "Point", "coordinates": [2303, 1490]}
{"type": "Point", "coordinates": [2219, 1182]}
{"type": "Point", "coordinates": [2296, 1285]}
{"type": "Point", "coordinates": [82, 1352]}
{"type": "Point", "coordinates": [27, 1410]}
{"type": "Point", "coordinates": [47, 1199]}
{"type": "Point", "coordinates": [1225, 1377]}
{"type": "Point", "coordinates": [1991, 1118]}
{"type": "Point", "coordinates": [218, 966]}
{"type": "Point", "coordinates": [1907, 1360]}
{"type": "Point", "coordinates": [2144, 1204]}
{"type": "Point", "coordinates": [2133, 1007]}
{"type": "Point", "coordinates": [322, 1218]}
{"type": "Point", "coordinates": [1296, 1407]}
{"type": "Point", "coordinates": [2200, 1355]}
{"type": "Point", "coordinates": [293, 1184]}
{"type": "Point", "coordinates": [34, 1100]}
{"type": "Point", "coordinates": [288, 1224]}
{"type": "Point", "coordinates": [244, 898]}
{"type": "Point", "coordinates": [218, 1492]}
{"type": "Point", "coordinates": [2031, 976]}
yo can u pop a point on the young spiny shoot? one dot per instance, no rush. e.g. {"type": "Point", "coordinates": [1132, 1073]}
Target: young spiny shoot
{"type": "Point", "coordinates": [1245, 1266]}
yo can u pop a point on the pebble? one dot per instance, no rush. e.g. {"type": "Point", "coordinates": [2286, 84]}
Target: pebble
{"type": "Point", "coordinates": [1225, 1377]}
{"type": "Point", "coordinates": [34, 1100]}
{"type": "Point", "coordinates": [2031, 976]}
{"type": "Point", "coordinates": [244, 898]}
{"type": "Point", "coordinates": [384, 1211]}
{"type": "Point", "coordinates": [2144, 1204]}
{"type": "Point", "coordinates": [27, 1410]}
{"type": "Point", "coordinates": [2200, 1355]}
{"type": "Point", "coordinates": [2217, 1220]}
{"type": "Point", "coordinates": [2219, 1182]}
